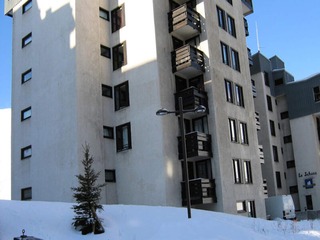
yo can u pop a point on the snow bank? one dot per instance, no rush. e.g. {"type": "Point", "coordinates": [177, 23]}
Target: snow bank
{"type": "Point", "coordinates": [52, 221]}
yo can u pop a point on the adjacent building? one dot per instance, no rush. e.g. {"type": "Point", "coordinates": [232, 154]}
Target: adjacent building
{"type": "Point", "coordinates": [290, 131]}
{"type": "Point", "coordinates": [96, 72]}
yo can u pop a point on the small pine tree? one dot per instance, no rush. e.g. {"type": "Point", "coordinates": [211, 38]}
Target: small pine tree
{"type": "Point", "coordinates": [87, 195]}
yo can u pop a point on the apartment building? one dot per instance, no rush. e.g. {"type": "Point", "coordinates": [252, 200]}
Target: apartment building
{"type": "Point", "coordinates": [96, 72]}
{"type": "Point", "coordinates": [290, 113]}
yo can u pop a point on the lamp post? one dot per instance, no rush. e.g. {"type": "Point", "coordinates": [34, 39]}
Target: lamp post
{"type": "Point", "coordinates": [181, 111]}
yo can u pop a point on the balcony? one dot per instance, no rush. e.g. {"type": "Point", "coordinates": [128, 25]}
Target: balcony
{"type": "Point", "coordinates": [247, 7]}
{"type": "Point", "coordinates": [202, 191]}
{"type": "Point", "coordinates": [265, 187]}
{"type": "Point", "coordinates": [187, 61]}
{"type": "Point", "coordinates": [246, 27]}
{"type": "Point", "coordinates": [254, 89]}
{"type": "Point", "coordinates": [261, 154]}
{"type": "Point", "coordinates": [257, 117]}
{"type": "Point", "coordinates": [250, 57]}
{"type": "Point", "coordinates": [198, 146]}
{"type": "Point", "coordinates": [192, 98]}
{"type": "Point", "coordinates": [184, 22]}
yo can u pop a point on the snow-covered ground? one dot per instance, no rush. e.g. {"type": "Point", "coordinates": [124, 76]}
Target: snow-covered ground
{"type": "Point", "coordinates": [52, 221]}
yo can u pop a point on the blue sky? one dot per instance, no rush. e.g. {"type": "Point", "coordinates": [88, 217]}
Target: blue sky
{"type": "Point", "coordinates": [289, 29]}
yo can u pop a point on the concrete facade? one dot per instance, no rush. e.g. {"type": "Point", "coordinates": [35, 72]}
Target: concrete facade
{"type": "Point", "coordinates": [297, 108]}
{"type": "Point", "coordinates": [68, 109]}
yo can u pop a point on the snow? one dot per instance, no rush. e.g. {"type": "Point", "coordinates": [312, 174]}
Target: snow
{"type": "Point", "coordinates": [52, 221]}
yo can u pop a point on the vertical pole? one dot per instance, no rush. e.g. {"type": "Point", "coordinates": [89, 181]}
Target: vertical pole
{"type": "Point", "coordinates": [184, 154]}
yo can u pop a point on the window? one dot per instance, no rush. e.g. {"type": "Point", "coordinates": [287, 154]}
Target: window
{"type": "Point", "coordinates": [26, 76]}
{"type": "Point", "coordinates": [26, 152]}
{"type": "Point", "coordinates": [108, 132]}
{"type": "Point", "coordinates": [293, 189]}
{"type": "Point", "coordinates": [106, 90]}
{"type": "Point", "coordinates": [275, 154]}
{"type": "Point", "coordinates": [237, 170]}
{"type": "Point", "coordinates": [278, 178]}
{"type": "Point", "coordinates": [26, 40]}
{"type": "Point", "coordinates": [287, 139]}
{"type": "Point", "coordinates": [117, 18]}
{"type": "Point", "coordinates": [239, 96]}
{"type": "Point", "coordinates": [231, 26]}
{"type": "Point", "coordinates": [247, 172]}
{"type": "Point", "coordinates": [225, 53]}
{"type": "Point", "coordinates": [272, 128]}
{"type": "Point", "coordinates": [105, 51]}
{"type": "Point", "coordinates": [266, 79]}
{"type": "Point", "coordinates": [221, 18]}
{"type": "Point", "coordinates": [229, 1]}
{"type": "Point", "coordinates": [251, 209]}
{"type": "Point", "coordinates": [278, 82]}
{"type": "Point", "coordinates": [243, 133]}
{"type": "Point", "coordinates": [27, 6]}
{"type": "Point", "coordinates": [203, 169]}
{"type": "Point", "coordinates": [233, 130]}
{"type": "Point", "coordinates": [284, 115]}
{"type": "Point", "coordinates": [316, 92]}
{"type": "Point", "coordinates": [269, 103]}
{"type": "Point", "coordinates": [241, 206]}
{"type": "Point", "coordinates": [291, 164]}
{"type": "Point", "coordinates": [309, 202]}
{"type": "Point", "coordinates": [104, 14]}
{"type": "Point", "coordinates": [110, 175]}
{"type": "Point", "coordinates": [200, 125]}
{"type": "Point", "coordinates": [26, 193]}
{"type": "Point", "coordinates": [229, 90]}
{"type": "Point", "coordinates": [121, 93]}
{"type": "Point", "coordinates": [119, 56]}
{"type": "Point", "coordinates": [235, 63]}
{"type": "Point", "coordinates": [25, 114]}
{"type": "Point", "coordinates": [123, 135]}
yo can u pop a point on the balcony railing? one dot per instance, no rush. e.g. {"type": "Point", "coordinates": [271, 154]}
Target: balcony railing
{"type": "Point", "coordinates": [192, 98]}
{"type": "Point", "coordinates": [202, 191]}
{"type": "Point", "coordinates": [250, 57]}
{"type": "Point", "coordinates": [247, 7]}
{"type": "Point", "coordinates": [257, 117]}
{"type": "Point", "coordinates": [265, 187]}
{"type": "Point", "coordinates": [187, 61]}
{"type": "Point", "coordinates": [246, 26]}
{"type": "Point", "coordinates": [261, 154]}
{"type": "Point", "coordinates": [198, 146]}
{"type": "Point", "coordinates": [184, 22]}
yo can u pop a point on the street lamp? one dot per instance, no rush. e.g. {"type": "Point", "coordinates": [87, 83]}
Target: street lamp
{"type": "Point", "coordinates": [180, 112]}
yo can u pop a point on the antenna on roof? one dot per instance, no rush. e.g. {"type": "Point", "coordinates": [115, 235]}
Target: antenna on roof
{"type": "Point", "coordinates": [257, 35]}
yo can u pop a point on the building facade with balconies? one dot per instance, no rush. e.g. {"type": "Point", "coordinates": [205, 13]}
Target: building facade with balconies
{"type": "Point", "coordinates": [291, 150]}
{"type": "Point", "coordinates": [95, 72]}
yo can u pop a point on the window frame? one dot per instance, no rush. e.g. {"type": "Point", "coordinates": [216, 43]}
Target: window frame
{"type": "Point", "coordinates": [26, 40]}
{"type": "Point", "coordinates": [316, 94]}
{"type": "Point", "coordinates": [105, 51]}
{"type": "Point", "coordinates": [221, 18]}
{"type": "Point", "coordinates": [117, 18]}
{"type": "Point", "coordinates": [110, 175]}
{"type": "Point", "coordinates": [269, 103]}
{"type": "Point", "coordinates": [26, 76]}
{"type": "Point", "coordinates": [235, 60]}
{"type": "Point", "coordinates": [239, 97]}
{"type": "Point", "coordinates": [121, 96]}
{"type": "Point", "coordinates": [231, 26]}
{"type": "Point", "coordinates": [23, 113]}
{"type": "Point", "coordinates": [106, 91]}
{"type": "Point", "coordinates": [225, 53]}
{"type": "Point", "coordinates": [272, 128]}
{"type": "Point", "coordinates": [233, 130]}
{"type": "Point", "coordinates": [109, 131]}
{"type": "Point", "coordinates": [243, 133]}
{"type": "Point", "coordinates": [119, 58]}
{"type": "Point", "coordinates": [26, 194]}
{"type": "Point", "coordinates": [278, 179]}
{"type": "Point", "coordinates": [229, 91]}
{"type": "Point", "coordinates": [247, 172]}
{"type": "Point", "coordinates": [26, 6]}
{"type": "Point", "coordinates": [121, 146]}
{"type": "Point", "coordinates": [24, 152]}
{"type": "Point", "coordinates": [104, 14]}
{"type": "Point", "coordinates": [237, 176]}
{"type": "Point", "coordinates": [275, 153]}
